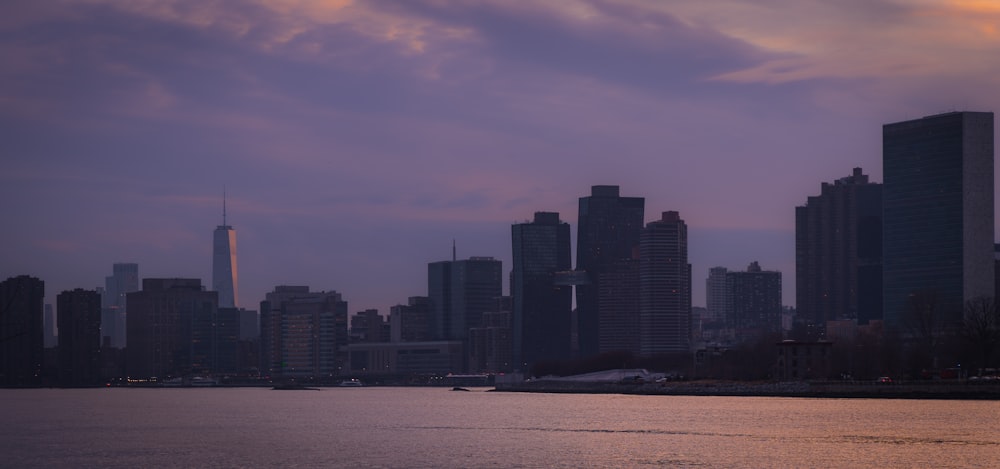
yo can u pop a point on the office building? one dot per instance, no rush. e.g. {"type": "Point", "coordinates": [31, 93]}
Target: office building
{"type": "Point", "coordinates": [664, 287]}
{"type": "Point", "coordinates": [21, 350]}
{"type": "Point", "coordinates": [755, 301]}
{"type": "Point", "coordinates": [79, 351]}
{"type": "Point", "coordinates": [542, 309]}
{"type": "Point", "coordinates": [224, 271]}
{"type": "Point", "coordinates": [303, 333]}
{"type": "Point", "coordinates": [124, 279]}
{"type": "Point", "coordinates": [410, 322]}
{"type": "Point", "coordinates": [460, 291]}
{"type": "Point", "coordinates": [490, 344]}
{"type": "Point", "coordinates": [937, 217]}
{"type": "Point", "coordinates": [838, 252]}
{"type": "Point", "coordinates": [160, 326]}
{"type": "Point", "coordinates": [607, 236]}
{"type": "Point", "coordinates": [716, 297]}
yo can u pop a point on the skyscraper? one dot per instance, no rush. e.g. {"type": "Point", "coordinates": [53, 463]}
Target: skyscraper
{"type": "Point", "coordinates": [162, 317]}
{"type": "Point", "coordinates": [607, 235]}
{"type": "Point", "coordinates": [717, 296]}
{"type": "Point", "coordinates": [114, 310]}
{"type": "Point", "coordinates": [224, 272]}
{"type": "Point", "coordinates": [542, 310]}
{"type": "Point", "coordinates": [460, 292]}
{"type": "Point", "coordinates": [754, 301]}
{"type": "Point", "coordinates": [303, 333]}
{"type": "Point", "coordinates": [664, 287]}
{"type": "Point", "coordinates": [21, 341]}
{"type": "Point", "coordinates": [838, 252]}
{"type": "Point", "coordinates": [937, 216]}
{"type": "Point", "coordinates": [79, 351]}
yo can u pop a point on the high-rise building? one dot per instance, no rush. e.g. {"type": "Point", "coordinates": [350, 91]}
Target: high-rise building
{"type": "Point", "coordinates": [607, 235]}
{"type": "Point", "coordinates": [368, 326]}
{"type": "Point", "coordinates": [224, 272]}
{"type": "Point", "coordinates": [50, 339]}
{"type": "Point", "coordinates": [717, 296]}
{"type": "Point", "coordinates": [460, 292]}
{"type": "Point", "coordinates": [490, 344]}
{"type": "Point", "coordinates": [838, 252]}
{"type": "Point", "coordinates": [411, 322]}
{"type": "Point", "coordinates": [21, 338]}
{"type": "Point", "coordinates": [664, 287]}
{"type": "Point", "coordinates": [79, 353]}
{"type": "Point", "coordinates": [755, 301]}
{"type": "Point", "coordinates": [160, 326]}
{"type": "Point", "coordinates": [542, 309]}
{"type": "Point", "coordinates": [303, 333]}
{"type": "Point", "coordinates": [124, 279]}
{"type": "Point", "coordinates": [618, 328]}
{"type": "Point", "coordinates": [937, 216]}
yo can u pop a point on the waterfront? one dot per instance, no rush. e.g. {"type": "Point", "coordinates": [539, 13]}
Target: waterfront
{"type": "Point", "coordinates": [434, 427]}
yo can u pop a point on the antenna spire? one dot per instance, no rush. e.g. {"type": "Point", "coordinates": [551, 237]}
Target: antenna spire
{"type": "Point", "coordinates": [453, 252]}
{"type": "Point", "coordinates": [223, 205]}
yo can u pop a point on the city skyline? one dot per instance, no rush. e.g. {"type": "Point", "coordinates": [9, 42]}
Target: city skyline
{"type": "Point", "coordinates": [122, 121]}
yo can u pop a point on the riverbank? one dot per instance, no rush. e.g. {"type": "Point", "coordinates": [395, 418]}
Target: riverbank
{"type": "Point", "coordinates": [825, 389]}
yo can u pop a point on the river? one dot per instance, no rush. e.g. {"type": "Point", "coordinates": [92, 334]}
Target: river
{"type": "Point", "coordinates": [436, 427]}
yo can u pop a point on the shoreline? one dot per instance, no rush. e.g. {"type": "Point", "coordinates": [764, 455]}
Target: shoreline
{"type": "Point", "coordinates": [817, 389]}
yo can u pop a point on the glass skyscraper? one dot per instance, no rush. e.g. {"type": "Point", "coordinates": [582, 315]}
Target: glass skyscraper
{"type": "Point", "coordinates": [937, 216]}
{"type": "Point", "coordinates": [542, 320]}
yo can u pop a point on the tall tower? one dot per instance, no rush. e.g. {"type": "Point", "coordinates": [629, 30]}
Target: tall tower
{"type": "Point", "coordinates": [838, 252]}
{"type": "Point", "coordinates": [21, 338]}
{"type": "Point", "coordinates": [664, 287]}
{"type": "Point", "coordinates": [79, 349]}
{"type": "Point", "coordinates": [460, 292]}
{"type": "Point", "coordinates": [224, 279]}
{"type": "Point", "coordinates": [542, 309]}
{"type": "Point", "coordinates": [607, 236]}
{"type": "Point", "coordinates": [114, 311]}
{"type": "Point", "coordinates": [754, 301]}
{"type": "Point", "coordinates": [937, 216]}
{"type": "Point", "coordinates": [717, 295]}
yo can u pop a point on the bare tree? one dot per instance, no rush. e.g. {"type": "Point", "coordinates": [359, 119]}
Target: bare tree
{"type": "Point", "coordinates": [981, 328]}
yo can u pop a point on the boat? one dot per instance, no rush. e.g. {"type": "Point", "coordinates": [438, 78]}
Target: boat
{"type": "Point", "coordinates": [293, 387]}
{"type": "Point", "coordinates": [351, 383]}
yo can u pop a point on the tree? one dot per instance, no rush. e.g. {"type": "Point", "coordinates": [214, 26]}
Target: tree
{"type": "Point", "coordinates": [981, 328]}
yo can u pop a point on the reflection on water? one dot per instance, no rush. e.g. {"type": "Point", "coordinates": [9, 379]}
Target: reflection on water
{"type": "Point", "coordinates": [433, 427]}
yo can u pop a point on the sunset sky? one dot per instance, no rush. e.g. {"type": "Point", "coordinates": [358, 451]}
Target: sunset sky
{"type": "Point", "coordinates": [355, 140]}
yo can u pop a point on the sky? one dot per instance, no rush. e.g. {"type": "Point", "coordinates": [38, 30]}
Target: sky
{"type": "Point", "coordinates": [356, 140]}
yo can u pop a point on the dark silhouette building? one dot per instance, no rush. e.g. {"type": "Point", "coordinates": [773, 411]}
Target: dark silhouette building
{"type": "Point", "coordinates": [303, 333]}
{"type": "Point", "coordinates": [114, 312]}
{"type": "Point", "coordinates": [838, 253]}
{"type": "Point", "coordinates": [161, 327]}
{"type": "Point", "coordinates": [411, 322]}
{"type": "Point", "coordinates": [21, 339]}
{"type": "Point", "coordinates": [490, 343]}
{"type": "Point", "coordinates": [937, 217]}
{"type": "Point", "coordinates": [607, 235]}
{"type": "Point", "coordinates": [542, 309]}
{"type": "Point", "coordinates": [460, 292]}
{"type": "Point", "coordinates": [368, 326]}
{"type": "Point", "coordinates": [664, 287]}
{"type": "Point", "coordinates": [618, 305]}
{"type": "Point", "coordinates": [79, 351]}
{"type": "Point", "coordinates": [755, 301]}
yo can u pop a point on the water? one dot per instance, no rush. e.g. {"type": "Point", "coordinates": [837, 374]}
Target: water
{"type": "Point", "coordinates": [435, 427]}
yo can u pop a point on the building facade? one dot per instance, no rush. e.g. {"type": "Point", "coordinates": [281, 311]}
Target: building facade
{"type": "Point", "coordinates": [755, 301]}
{"type": "Point", "coordinates": [303, 333]}
{"type": "Point", "coordinates": [664, 287]}
{"type": "Point", "coordinates": [460, 291]}
{"type": "Point", "coordinates": [410, 322]}
{"type": "Point", "coordinates": [838, 252]}
{"type": "Point", "coordinates": [542, 309]}
{"type": "Point", "coordinates": [937, 217]}
{"type": "Point", "coordinates": [607, 234]}
{"type": "Point", "coordinates": [79, 351]}
{"type": "Point", "coordinates": [22, 347]}
{"type": "Point", "coordinates": [160, 326]}
{"type": "Point", "coordinates": [124, 279]}
{"type": "Point", "coordinates": [224, 267]}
